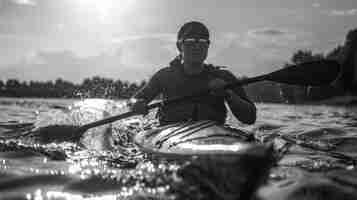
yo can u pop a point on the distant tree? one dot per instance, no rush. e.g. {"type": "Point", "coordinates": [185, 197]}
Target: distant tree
{"type": "Point", "coordinates": [2, 85]}
{"type": "Point", "coordinates": [336, 53]}
{"type": "Point", "coordinates": [344, 54]}
{"type": "Point", "coordinates": [302, 56]}
{"type": "Point", "coordinates": [142, 83]}
{"type": "Point", "coordinates": [118, 89]}
{"type": "Point", "coordinates": [12, 86]}
{"type": "Point", "coordinates": [348, 78]}
{"type": "Point", "coordinates": [12, 83]}
{"type": "Point", "coordinates": [293, 93]}
{"type": "Point", "coordinates": [94, 87]}
{"type": "Point", "coordinates": [64, 88]}
{"type": "Point", "coordinates": [125, 90]}
{"type": "Point", "coordinates": [133, 87]}
{"type": "Point", "coordinates": [100, 87]}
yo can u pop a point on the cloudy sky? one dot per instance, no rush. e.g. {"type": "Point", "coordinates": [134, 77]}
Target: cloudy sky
{"type": "Point", "coordinates": [131, 39]}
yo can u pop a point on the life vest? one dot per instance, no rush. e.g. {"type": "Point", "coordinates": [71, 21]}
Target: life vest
{"type": "Point", "coordinates": [207, 107]}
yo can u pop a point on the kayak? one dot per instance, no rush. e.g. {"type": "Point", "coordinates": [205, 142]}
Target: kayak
{"type": "Point", "coordinates": [197, 138]}
{"type": "Point", "coordinates": [224, 163]}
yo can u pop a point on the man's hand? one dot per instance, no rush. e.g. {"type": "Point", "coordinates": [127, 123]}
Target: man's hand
{"type": "Point", "coordinates": [217, 87]}
{"type": "Point", "coordinates": [138, 106]}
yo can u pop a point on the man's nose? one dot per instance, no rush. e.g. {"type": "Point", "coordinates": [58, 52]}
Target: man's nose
{"type": "Point", "coordinates": [197, 45]}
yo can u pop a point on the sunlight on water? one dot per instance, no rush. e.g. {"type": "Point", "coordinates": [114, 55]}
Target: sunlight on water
{"type": "Point", "coordinates": [107, 165]}
{"type": "Point", "coordinates": [214, 147]}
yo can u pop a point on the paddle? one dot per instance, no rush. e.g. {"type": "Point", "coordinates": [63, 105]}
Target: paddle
{"type": "Point", "coordinates": [315, 73]}
{"type": "Point", "coordinates": [346, 158]}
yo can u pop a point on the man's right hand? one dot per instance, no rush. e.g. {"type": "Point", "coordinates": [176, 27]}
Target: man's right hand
{"type": "Point", "coordinates": [139, 106]}
{"type": "Point", "coordinates": [216, 87]}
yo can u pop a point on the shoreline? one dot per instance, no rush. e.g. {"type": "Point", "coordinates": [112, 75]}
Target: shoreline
{"type": "Point", "coordinates": [350, 100]}
{"type": "Point", "coordinates": [345, 100]}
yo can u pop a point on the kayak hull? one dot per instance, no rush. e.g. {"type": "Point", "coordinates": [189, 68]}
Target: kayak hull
{"type": "Point", "coordinates": [223, 162]}
{"type": "Point", "coordinates": [201, 138]}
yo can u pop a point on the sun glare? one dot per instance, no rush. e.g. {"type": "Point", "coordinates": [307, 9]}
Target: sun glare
{"type": "Point", "coordinates": [102, 5]}
{"type": "Point", "coordinates": [106, 9]}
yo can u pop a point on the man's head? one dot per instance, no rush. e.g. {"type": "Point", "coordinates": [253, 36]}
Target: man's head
{"type": "Point", "coordinates": [193, 42]}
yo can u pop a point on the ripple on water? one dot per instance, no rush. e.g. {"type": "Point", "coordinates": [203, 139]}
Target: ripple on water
{"type": "Point", "coordinates": [125, 173]}
{"type": "Point", "coordinates": [312, 186]}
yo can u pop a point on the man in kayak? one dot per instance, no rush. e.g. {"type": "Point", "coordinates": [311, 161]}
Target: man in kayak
{"type": "Point", "coordinates": [187, 75]}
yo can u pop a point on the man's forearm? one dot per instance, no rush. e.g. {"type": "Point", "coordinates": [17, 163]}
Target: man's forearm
{"type": "Point", "coordinates": [242, 109]}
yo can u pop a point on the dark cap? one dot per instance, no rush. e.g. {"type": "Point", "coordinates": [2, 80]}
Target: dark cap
{"type": "Point", "coordinates": [193, 29]}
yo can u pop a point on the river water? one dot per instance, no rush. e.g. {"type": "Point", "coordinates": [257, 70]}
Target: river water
{"type": "Point", "coordinates": [316, 137]}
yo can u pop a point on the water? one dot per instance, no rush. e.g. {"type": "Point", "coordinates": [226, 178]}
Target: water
{"type": "Point", "coordinates": [103, 168]}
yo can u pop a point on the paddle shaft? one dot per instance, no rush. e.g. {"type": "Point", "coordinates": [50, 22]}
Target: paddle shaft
{"type": "Point", "coordinates": [85, 127]}
{"type": "Point", "coordinates": [315, 73]}
{"type": "Point", "coordinates": [337, 155]}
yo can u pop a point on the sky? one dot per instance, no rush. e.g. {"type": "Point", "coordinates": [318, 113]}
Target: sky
{"type": "Point", "coordinates": [132, 39]}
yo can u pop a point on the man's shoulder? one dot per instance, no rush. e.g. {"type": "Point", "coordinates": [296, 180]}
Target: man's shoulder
{"type": "Point", "coordinates": [164, 69]}
{"type": "Point", "coordinates": [165, 73]}
{"type": "Point", "coordinates": [167, 70]}
{"type": "Point", "coordinates": [224, 72]}
{"type": "Point", "coordinates": [219, 69]}
{"type": "Point", "coordinates": [215, 67]}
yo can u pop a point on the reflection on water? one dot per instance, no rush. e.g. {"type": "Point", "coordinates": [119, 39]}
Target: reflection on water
{"type": "Point", "coordinates": [108, 166]}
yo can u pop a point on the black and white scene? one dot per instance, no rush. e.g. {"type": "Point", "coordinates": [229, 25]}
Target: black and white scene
{"type": "Point", "coordinates": [178, 100]}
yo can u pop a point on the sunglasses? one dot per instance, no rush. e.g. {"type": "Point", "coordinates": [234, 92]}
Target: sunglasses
{"type": "Point", "coordinates": [193, 41]}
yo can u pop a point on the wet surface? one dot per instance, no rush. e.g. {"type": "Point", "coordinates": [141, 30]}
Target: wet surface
{"type": "Point", "coordinates": [316, 145]}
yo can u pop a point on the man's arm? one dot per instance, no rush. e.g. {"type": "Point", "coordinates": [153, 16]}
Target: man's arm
{"type": "Point", "coordinates": [242, 108]}
{"type": "Point", "coordinates": [239, 103]}
{"type": "Point", "coordinates": [150, 90]}
{"type": "Point", "coordinates": [146, 94]}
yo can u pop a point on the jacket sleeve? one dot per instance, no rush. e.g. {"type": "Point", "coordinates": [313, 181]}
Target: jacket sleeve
{"type": "Point", "coordinates": [152, 89]}
{"type": "Point", "coordinates": [242, 107]}
{"type": "Point", "coordinates": [239, 90]}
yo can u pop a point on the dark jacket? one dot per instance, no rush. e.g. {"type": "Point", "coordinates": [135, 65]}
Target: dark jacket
{"type": "Point", "coordinates": [172, 82]}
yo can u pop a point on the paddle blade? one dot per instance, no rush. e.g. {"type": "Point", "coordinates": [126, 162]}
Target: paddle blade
{"type": "Point", "coordinates": [57, 133]}
{"type": "Point", "coordinates": [314, 73]}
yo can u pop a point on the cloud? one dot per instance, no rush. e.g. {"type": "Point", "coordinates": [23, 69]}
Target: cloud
{"type": "Point", "coordinates": [267, 32]}
{"type": "Point", "coordinates": [124, 38]}
{"type": "Point", "coordinates": [221, 42]}
{"type": "Point", "coordinates": [24, 2]}
{"type": "Point", "coordinates": [143, 51]}
{"type": "Point", "coordinates": [50, 65]}
{"type": "Point", "coordinates": [262, 50]}
{"type": "Point", "coordinates": [350, 12]}
{"type": "Point", "coordinates": [258, 51]}
{"type": "Point", "coordinates": [316, 5]}
{"type": "Point", "coordinates": [271, 38]}
{"type": "Point", "coordinates": [133, 60]}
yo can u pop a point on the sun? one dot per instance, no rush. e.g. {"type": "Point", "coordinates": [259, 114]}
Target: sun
{"type": "Point", "coordinates": [105, 9]}
{"type": "Point", "coordinates": [100, 7]}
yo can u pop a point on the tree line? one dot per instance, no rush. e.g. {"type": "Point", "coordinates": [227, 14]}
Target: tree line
{"type": "Point", "coordinates": [272, 92]}
{"type": "Point", "coordinates": [107, 88]}
{"type": "Point", "coordinates": [284, 93]}
{"type": "Point", "coordinates": [95, 87]}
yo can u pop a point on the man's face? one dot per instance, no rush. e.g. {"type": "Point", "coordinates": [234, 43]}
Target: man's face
{"type": "Point", "coordinates": [194, 50]}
